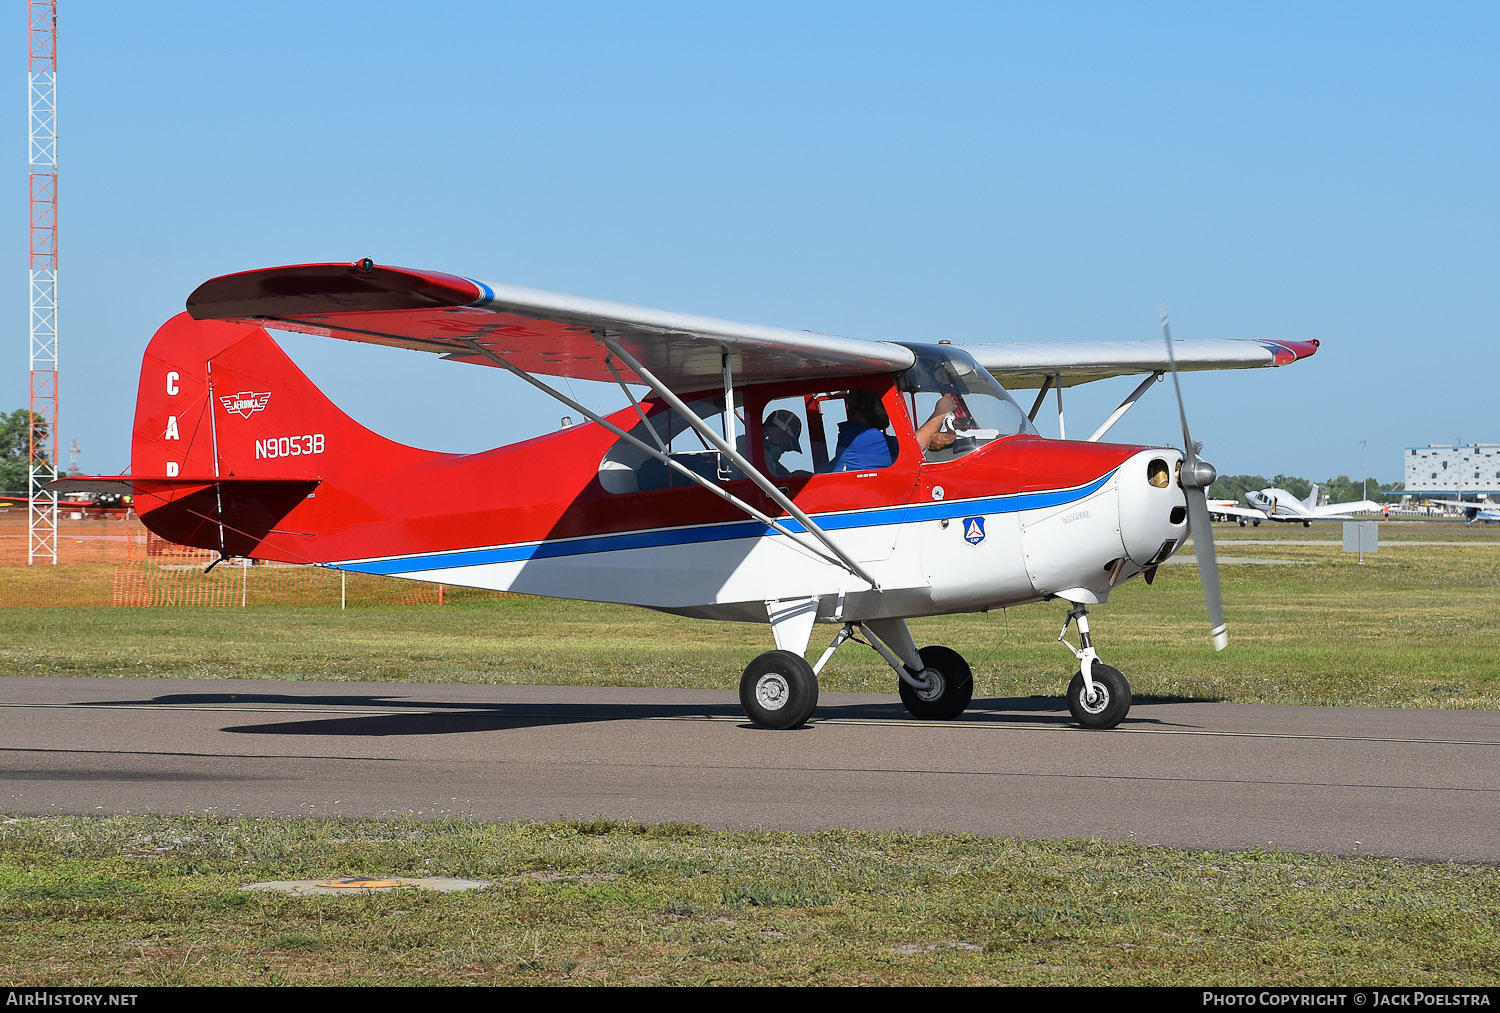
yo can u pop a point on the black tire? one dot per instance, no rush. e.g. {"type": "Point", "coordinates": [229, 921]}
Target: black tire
{"type": "Point", "coordinates": [779, 690]}
{"type": "Point", "coordinates": [1106, 712]}
{"type": "Point", "coordinates": [952, 692]}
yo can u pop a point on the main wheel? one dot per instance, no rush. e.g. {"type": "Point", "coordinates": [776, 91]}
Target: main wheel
{"type": "Point", "coordinates": [951, 686]}
{"type": "Point", "coordinates": [779, 690]}
{"type": "Point", "coordinates": [1111, 701]}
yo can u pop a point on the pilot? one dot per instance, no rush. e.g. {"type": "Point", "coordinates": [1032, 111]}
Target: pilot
{"type": "Point", "coordinates": [863, 443]}
{"type": "Point", "coordinates": [931, 435]}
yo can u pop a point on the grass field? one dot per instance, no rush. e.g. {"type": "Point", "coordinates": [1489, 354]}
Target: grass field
{"type": "Point", "coordinates": [141, 900]}
{"type": "Point", "coordinates": [147, 900]}
{"type": "Point", "coordinates": [1416, 626]}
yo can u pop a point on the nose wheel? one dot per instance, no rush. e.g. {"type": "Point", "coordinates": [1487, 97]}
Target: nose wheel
{"type": "Point", "coordinates": [1098, 695]}
{"type": "Point", "coordinates": [1108, 703]}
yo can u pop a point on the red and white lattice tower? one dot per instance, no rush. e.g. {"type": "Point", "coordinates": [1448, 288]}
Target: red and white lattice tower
{"type": "Point", "coordinates": [41, 37]}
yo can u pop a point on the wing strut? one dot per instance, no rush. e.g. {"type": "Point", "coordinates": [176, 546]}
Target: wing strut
{"type": "Point", "coordinates": [1125, 406]}
{"type": "Point", "coordinates": [1041, 396]}
{"type": "Point", "coordinates": [655, 436]}
{"type": "Point", "coordinates": [765, 484]}
{"type": "Point", "coordinates": [677, 466]}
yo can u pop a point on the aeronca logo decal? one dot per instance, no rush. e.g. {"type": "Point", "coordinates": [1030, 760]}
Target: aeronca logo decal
{"type": "Point", "coordinates": [245, 403]}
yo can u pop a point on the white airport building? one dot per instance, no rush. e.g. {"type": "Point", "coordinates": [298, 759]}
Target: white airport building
{"type": "Point", "coordinates": [1470, 469]}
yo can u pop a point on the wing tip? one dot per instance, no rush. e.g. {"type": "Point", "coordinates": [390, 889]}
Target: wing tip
{"type": "Point", "coordinates": [317, 289]}
{"type": "Point", "coordinates": [1285, 352]}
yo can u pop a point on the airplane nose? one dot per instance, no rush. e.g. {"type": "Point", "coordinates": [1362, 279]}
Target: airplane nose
{"type": "Point", "coordinates": [1153, 507]}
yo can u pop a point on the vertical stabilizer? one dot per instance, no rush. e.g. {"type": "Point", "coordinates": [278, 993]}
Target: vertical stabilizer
{"type": "Point", "coordinates": [1312, 499]}
{"type": "Point", "coordinates": [233, 445]}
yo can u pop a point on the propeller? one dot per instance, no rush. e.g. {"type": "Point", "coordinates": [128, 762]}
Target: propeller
{"type": "Point", "coordinates": [1196, 476]}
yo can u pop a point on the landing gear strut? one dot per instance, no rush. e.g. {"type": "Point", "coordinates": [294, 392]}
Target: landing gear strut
{"type": "Point", "coordinates": [1098, 695]}
{"type": "Point", "coordinates": [935, 683]}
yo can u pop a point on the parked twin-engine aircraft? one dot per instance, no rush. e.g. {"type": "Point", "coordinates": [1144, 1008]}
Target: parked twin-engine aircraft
{"type": "Point", "coordinates": [1279, 505]}
{"type": "Point", "coordinates": [770, 476]}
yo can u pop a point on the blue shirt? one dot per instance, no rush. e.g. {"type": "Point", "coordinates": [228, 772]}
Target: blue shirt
{"type": "Point", "coordinates": [862, 447]}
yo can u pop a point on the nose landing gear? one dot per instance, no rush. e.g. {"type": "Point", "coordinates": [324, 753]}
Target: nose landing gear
{"type": "Point", "coordinates": [1098, 695]}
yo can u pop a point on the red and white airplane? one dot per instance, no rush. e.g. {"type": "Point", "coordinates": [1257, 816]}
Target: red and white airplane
{"type": "Point", "coordinates": [850, 483]}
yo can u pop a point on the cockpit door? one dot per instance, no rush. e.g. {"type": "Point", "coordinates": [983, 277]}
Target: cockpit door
{"type": "Point", "coordinates": [836, 470]}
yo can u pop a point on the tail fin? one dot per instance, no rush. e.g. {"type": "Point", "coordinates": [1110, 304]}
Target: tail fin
{"type": "Point", "coordinates": [1312, 498]}
{"type": "Point", "coordinates": [231, 439]}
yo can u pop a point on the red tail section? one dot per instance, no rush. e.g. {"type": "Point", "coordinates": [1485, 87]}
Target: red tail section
{"type": "Point", "coordinates": [234, 446]}
{"type": "Point", "coordinates": [235, 450]}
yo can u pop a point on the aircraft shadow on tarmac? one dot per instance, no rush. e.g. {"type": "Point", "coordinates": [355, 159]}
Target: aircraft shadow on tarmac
{"type": "Point", "coordinates": [429, 717]}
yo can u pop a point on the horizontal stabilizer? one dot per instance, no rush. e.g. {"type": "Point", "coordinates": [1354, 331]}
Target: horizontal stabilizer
{"type": "Point", "coordinates": [129, 485]}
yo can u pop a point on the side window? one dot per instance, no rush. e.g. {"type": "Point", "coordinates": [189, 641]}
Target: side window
{"type": "Point", "coordinates": [626, 468]}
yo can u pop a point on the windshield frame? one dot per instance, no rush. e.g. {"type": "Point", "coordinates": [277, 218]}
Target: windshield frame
{"type": "Point", "coordinates": [948, 369]}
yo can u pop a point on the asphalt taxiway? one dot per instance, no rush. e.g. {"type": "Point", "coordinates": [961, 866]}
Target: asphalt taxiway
{"type": "Point", "coordinates": [1410, 783]}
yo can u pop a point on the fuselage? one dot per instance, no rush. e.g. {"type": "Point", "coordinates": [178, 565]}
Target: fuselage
{"type": "Point", "coordinates": [583, 513]}
{"type": "Point", "coordinates": [1278, 504]}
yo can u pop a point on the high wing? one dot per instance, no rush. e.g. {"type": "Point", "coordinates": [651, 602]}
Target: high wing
{"type": "Point", "coordinates": [546, 333]}
{"type": "Point", "coordinates": [1022, 365]}
{"type": "Point", "coordinates": [554, 334]}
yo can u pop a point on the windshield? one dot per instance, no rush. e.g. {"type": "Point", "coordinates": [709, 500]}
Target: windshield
{"type": "Point", "coordinates": [956, 404]}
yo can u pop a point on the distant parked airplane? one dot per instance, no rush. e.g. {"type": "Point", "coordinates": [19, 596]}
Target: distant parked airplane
{"type": "Point", "coordinates": [1279, 505]}
{"type": "Point", "coordinates": [1472, 510]}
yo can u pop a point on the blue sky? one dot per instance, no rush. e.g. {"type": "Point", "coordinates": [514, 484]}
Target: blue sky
{"type": "Point", "coordinates": [965, 171]}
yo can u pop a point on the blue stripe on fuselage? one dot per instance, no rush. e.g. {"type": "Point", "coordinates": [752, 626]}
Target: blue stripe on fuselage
{"type": "Point", "coordinates": [905, 513]}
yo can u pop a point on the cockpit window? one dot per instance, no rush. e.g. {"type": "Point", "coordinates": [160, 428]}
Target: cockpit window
{"type": "Point", "coordinates": [963, 406]}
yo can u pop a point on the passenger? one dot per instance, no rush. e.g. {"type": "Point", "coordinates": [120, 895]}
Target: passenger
{"type": "Point", "coordinates": [782, 434]}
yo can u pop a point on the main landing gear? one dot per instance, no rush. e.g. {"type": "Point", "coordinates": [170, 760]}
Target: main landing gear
{"type": "Point", "coordinates": [1098, 695]}
{"type": "Point", "coordinates": [780, 689]}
